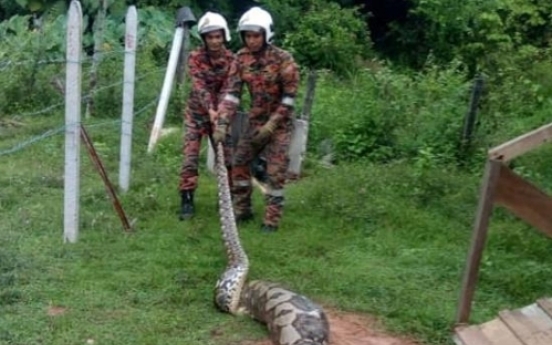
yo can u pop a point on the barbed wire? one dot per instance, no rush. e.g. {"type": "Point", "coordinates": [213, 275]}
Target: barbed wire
{"type": "Point", "coordinates": [42, 111]}
{"type": "Point", "coordinates": [9, 63]}
{"type": "Point", "coordinates": [20, 146]}
{"type": "Point", "coordinates": [35, 139]}
{"type": "Point", "coordinates": [118, 121]}
{"type": "Point", "coordinates": [121, 82]}
{"type": "Point", "coordinates": [5, 64]}
{"type": "Point", "coordinates": [86, 96]}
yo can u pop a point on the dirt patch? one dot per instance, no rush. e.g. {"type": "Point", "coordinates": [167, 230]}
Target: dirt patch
{"type": "Point", "coordinates": [55, 310]}
{"type": "Point", "coordinates": [354, 329]}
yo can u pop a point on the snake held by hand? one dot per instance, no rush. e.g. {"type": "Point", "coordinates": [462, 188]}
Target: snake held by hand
{"type": "Point", "coordinates": [291, 318]}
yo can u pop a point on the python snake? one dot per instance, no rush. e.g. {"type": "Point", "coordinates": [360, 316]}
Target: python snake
{"type": "Point", "coordinates": [291, 318]}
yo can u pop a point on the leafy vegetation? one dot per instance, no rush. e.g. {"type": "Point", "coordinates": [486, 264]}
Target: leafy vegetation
{"type": "Point", "coordinates": [385, 231]}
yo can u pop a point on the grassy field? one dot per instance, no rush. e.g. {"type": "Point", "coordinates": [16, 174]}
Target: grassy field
{"type": "Point", "coordinates": [378, 239]}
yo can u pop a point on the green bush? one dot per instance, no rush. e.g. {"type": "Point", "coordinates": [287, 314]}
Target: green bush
{"type": "Point", "coordinates": [385, 114]}
{"type": "Point", "coordinates": [34, 60]}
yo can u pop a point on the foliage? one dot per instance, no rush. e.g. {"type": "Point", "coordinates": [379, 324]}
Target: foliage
{"type": "Point", "coordinates": [483, 34]}
{"type": "Point", "coordinates": [382, 114]}
{"type": "Point", "coordinates": [39, 5]}
{"type": "Point", "coordinates": [32, 58]}
{"type": "Point", "coordinates": [329, 37]}
{"type": "Point", "coordinates": [320, 33]}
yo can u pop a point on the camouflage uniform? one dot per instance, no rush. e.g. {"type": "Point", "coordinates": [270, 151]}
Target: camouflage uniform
{"type": "Point", "coordinates": [208, 74]}
{"type": "Point", "coordinates": [272, 78]}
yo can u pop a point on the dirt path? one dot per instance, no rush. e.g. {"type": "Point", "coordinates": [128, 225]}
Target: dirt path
{"type": "Point", "coordinates": [354, 329]}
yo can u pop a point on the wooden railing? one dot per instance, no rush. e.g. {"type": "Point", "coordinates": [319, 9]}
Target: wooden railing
{"type": "Point", "coordinates": [503, 187]}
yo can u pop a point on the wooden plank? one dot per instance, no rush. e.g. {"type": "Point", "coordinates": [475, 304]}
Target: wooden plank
{"type": "Point", "coordinates": [472, 335]}
{"type": "Point", "coordinates": [494, 332]}
{"type": "Point", "coordinates": [524, 200]}
{"type": "Point", "coordinates": [522, 144]}
{"type": "Point", "coordinates": [530, 324]}
{"type": "Point", "coordinates": [479, 237]}
{"type": "Point", "coordinates": [546, 305]}
{"type": "Point", "coordinates": [499, 333]}
{"type": "Point", "coordinates": [457, 340]}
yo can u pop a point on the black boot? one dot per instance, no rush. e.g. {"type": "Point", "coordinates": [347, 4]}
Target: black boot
{"type": "Point", "coordinates": [186, 204]}
{"type": "Point", "coordinates": [268, 228]}
{"type": "Point", "coordinates": [258, 169]}
{"type": "Point", "coordinates": [244, 217]}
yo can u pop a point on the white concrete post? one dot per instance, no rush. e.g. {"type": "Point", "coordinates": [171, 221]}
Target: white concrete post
{"type": "Point", "coordinates": [73, 94]}
{"type": "Point", "coordinates": [128, 98]}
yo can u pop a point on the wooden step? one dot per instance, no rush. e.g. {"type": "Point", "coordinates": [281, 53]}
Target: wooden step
{"type": "Point", "coordinates": [530, 325]}
{"type": "Point", "coordinates": [494, 332]}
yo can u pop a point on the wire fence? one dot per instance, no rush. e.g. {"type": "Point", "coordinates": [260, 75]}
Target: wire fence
{"type": "Point", "coordinates": [7, 63]}
{"type": "Point", "coordinates": [46, 127]}
{"type": "Point", "coordinates": [105, 134]}
{"type": "Point", "coordinates": [59, 130]}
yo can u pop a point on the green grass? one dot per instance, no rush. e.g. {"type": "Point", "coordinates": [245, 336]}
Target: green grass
{"type": "Point", "coordinates": [384, 240]}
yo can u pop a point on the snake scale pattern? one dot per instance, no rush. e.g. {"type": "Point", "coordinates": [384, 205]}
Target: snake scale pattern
{"type": "Point", "coordinates": [291, 318]}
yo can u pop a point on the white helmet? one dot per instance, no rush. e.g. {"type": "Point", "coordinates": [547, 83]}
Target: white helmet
{"type": "Point", "coordinates": [257, 19]}
{"type": "Point", "coordinates": [211, 21]}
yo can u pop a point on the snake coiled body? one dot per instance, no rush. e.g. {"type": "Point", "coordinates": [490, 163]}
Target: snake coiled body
{"type": "Point", "coordinates": [291, 318]}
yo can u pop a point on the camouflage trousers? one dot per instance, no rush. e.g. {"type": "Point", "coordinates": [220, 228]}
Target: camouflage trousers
{"type": "Point", "coordinates": [197, 125]}
{"type": "Point", "coordinates": [275, 152]}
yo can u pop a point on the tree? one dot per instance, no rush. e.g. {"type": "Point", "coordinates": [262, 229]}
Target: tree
{"type": "Point", "coordinates": [329, 37]}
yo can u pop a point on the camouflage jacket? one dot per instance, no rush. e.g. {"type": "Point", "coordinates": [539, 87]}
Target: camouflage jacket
{"type": "Point", "coordinates": [272, 78]}
{"type": "Point", "coordinates": [208, 75]}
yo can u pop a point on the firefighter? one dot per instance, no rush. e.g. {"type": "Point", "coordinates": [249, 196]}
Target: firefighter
{"type": "Point", "coordinates": [272, 78]}
{"type": "Point", "coordinates": [208, 67]}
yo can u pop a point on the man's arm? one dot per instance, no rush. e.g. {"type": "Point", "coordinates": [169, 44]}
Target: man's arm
{"type": "Point", "coordinates": [198, 73]}
{"type": "Point", "coordinates": [231, 93]}
{"type": "Point", "coordinates": [289, 75]}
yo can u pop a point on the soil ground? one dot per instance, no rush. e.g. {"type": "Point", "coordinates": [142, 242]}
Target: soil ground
{"type": "Point", "coordinates": [354, 329]}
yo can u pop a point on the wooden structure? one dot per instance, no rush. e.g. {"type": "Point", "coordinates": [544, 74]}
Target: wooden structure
{"type": "Point", "coordinates": [531, 325]}
{"type": "Point", "coordinates": [503, 187]}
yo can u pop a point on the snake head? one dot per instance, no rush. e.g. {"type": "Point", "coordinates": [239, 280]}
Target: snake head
{"type": "Point", "coordinates": [228, 289]}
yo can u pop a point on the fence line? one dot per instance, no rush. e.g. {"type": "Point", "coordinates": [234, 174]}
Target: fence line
{"type": "Point", "coordinates": [40, 112]}
{"type": "Point", "coordinates": [54, 131]}
{"type": "Point", "coordinates": [5, 64]}
{"type": "Point", "coordinates": [85, 97]}
{"type": "Point", "coordinates": [22, 145]}
{"type": "Point", "coordinates": [73, 108]}
{"type": "Point", "coordinates": [118, 83]}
